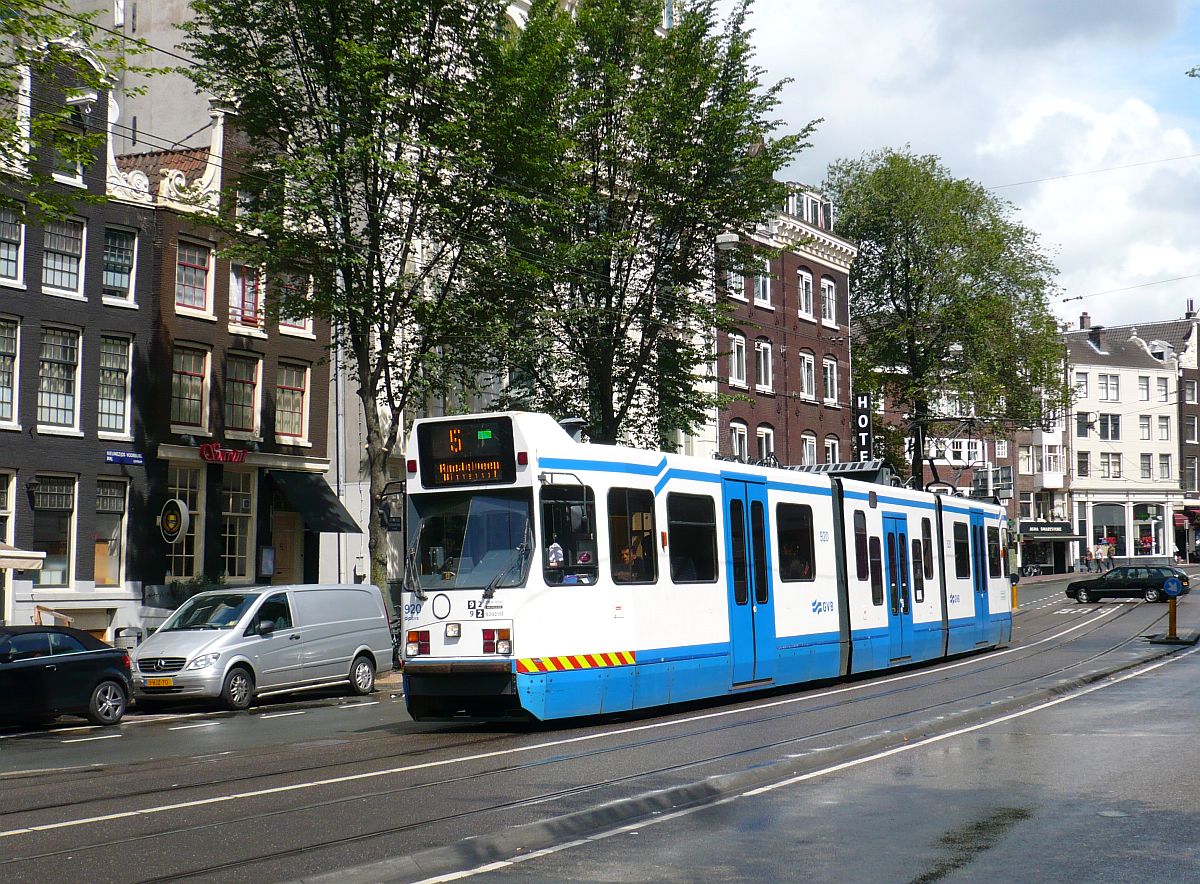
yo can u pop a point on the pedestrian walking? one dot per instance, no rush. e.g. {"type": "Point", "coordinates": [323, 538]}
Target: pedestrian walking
{"type": "Point", "coordinates": [1112, 551]}
{"type": "Point", "coordinates": [1100, 553]}
{"type": "Point", "coordinates": [1088, 558]}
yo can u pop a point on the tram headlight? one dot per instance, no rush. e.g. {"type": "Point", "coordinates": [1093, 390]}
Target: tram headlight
{"type": "Point", "coordinates": [453, 630]}
{"type": "Point", "coordinates": [504, 646]}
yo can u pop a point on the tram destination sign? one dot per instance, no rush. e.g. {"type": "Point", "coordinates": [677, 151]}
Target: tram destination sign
{"type": "Point", "coordinates": [472, 451]}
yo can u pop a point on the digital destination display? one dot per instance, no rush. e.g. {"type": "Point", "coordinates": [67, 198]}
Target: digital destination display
{"type": "Point", "coordinates": [473, 451]}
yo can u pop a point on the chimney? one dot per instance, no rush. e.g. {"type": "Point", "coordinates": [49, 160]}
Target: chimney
{"type": "Point", "coordinates": [1085, 321]}
{"type": "Point", "coordinates": [1094, 336]}
{"type": "Point", "coordinates": [1191, 310]}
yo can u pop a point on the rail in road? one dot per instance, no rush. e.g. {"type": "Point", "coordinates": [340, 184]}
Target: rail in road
{"type": "Point", "coordinates": [277, 795]}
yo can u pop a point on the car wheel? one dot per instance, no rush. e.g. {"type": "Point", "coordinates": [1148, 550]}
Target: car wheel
{"type": "Point", "coordinates": [238, 690]}
{"type": "Point", "coordinates": [1082, 596]}
{"type": "Point", "coordinates": [107, 705]}
{"type": "Point", "coordinates": [362, 675]}
{"type": "Point", "coordinates": [1153, 595]}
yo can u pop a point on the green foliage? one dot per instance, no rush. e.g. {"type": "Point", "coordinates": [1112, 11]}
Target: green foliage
{"type": "Point", "coordinates": [638, 147]}
{"type": "Point", "coordinates": [949, 296]}
{"type": "Point", "coordinates": [46, 46]}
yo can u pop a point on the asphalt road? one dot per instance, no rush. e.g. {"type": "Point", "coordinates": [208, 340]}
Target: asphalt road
{"type": "Point", "coordinates": [331, 785]}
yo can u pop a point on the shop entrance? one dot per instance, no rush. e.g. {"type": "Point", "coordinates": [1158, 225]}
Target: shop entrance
{"type": "Point", "coordinates": [287, 537]}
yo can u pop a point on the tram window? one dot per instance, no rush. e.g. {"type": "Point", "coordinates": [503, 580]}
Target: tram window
{"type": "Point", "coordinates": [927, 547]}
{"type": "Point", "coordinates": [918, 563]}
{"type": "Point", "coordinates": [1004, 550]}
{"type": "Point", "coordinates": [993, 545]}
{"type": "Point", "coordinates": [962, 551]}
{"type": "Point", "coordinates": [876, 553]}
{"type": "Point", "coordinates": [634, 558]}
{"type": "Point", "coordinates": [737, 542]}
{"type": "Point", "coordinates": [860, 544]}
{"type": "Point", "coordinates": [692, 538]}
{"type": "Point", "coordinates": [569, 534]}
{"type": "Point", "coordinates": [794, 533]}
{"type": "Point", "coordinates": [758, 536]}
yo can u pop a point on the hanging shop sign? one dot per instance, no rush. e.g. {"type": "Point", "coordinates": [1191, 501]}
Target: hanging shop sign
{"type": "Point", "coordinates": [212, 452]}
{"type": "Point", "coordinates": [174, 520]}
{"type": "Point", "coordinates": [1044, 529]}
{"type": "Point", "coordinates": [864, 436]}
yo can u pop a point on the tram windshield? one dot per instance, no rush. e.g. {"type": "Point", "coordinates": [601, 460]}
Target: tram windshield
{"type": "Point", "coordinates": [470, 539]}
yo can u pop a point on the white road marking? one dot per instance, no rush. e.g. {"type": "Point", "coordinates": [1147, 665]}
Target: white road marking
{"type": "Point", "coordinates": [356, 705]}
{"type": "Point", "coordinates": [549, 744]}
{"type": "Point", "coordinates": [90, 739]}
{"type": "Point", "coordinates": [908, 747]}
{"type": "Point", "coordinates": [283, 714]}
{"type": "Point", "coordinates": [184, 727]}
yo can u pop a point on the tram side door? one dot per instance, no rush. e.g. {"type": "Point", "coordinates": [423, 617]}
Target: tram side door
{"type": "Point", "coordinates": [899, 583]}
{"type": "Point", "coordinates": [979, 575]}
{"type": "Point", "coordinates": [752, 643]}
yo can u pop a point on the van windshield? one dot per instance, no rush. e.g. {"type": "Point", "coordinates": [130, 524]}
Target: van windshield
{"type": "Point", "coordinates": [470, 539]}
{"type": "Point", "coordinates": [210, 612]}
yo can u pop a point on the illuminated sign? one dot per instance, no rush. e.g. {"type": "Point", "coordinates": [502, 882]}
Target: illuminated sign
{"type": "Point", "coordinates": [214, 453]}
{"type": "Point", "coordinates": [471, 451]}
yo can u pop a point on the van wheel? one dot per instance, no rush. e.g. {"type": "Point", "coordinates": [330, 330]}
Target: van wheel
{"type": "Point", "coordinates": [1153, 595]}
{"type": "Point", "coordinates": [1083, 596]}
{"type": "Point", "coordinates": [238, 690]}
{"type": "Point", "coordinates": [107, 705]}
{"type": "Point", "coordinates": [362, 675]}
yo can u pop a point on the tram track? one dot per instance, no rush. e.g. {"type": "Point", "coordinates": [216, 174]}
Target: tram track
{"type": "Point", "coordinates": [558, 758]}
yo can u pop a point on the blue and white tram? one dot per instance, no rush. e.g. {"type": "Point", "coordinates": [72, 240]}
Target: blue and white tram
{"type": "Point", "coordinates": [549, 578]}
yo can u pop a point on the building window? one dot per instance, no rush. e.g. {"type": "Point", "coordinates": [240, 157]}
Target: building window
{"type": "Point", "coordinates": [1147, 466]}
{"type": "Point", "coordinates": [237, 521]}
{"type": "Point", "coordinates": [241, 394]}
{"type": "Point", "coordinates": [766, 442]}
{"type": "Point", "coordinates": [832, 449]}
{"type": "Point", "coordinates": [1164, 466]}
{"type": "Point", "coordinates": [1081, 384]}
{"type": "Point", "coordinates": [9, 333]}
{"type": "Point", "coordinates": [735, 284]}
{"type": "Point", "coordinates": [192, 276]}
{"type": "Point", "coordinates": [1164, 428]}
{"type": "Point", "coordinates": [739, 441]}
{"type": "Point", "coordinates": [737, 360]}
{"type": "Point", "coordinates": [1001, 449]}
{"type": "Point", "coordinates": [763, 375]}
{"type": "Point", "coordinates": [189, 379]}
{"type": "Point", "coordinates": [12, 245]}
{"type": "Point", "coordinates": [828, 301]}
{"type": "Point", "coordinates": [1110, 427]}
{"type": "Point", "coordinates": [1144, 428]}
{"type": "Point", "coordinates": [1143, 388]}
{"type": "Point", "coordinates": [1082, 464]}
{"type": "Point", "coordinates": [762, 283]}
{"type": "Point", "coordinates": [804, 293]}
{"type": "Point", "coordinates": [1110, 387]}
{"type": "Point", "coordinates": [808, 376]}
{"type": "Point", "coordinates": [186, 484]}
{"type": "Point", "coordinates": [1026, 505]}
{"type": "Point", "coordinates": [110, 532]}
{"type": "Point", "coordinates": [1190, 479]}
{"type": "Point", "coordinates": [1110, 465]}
{"type": "Point", "coordinates": [119, 13]}
{"type": "Point", "coordinates": [58, 376]}
{"type": "Point", "coordinates": [829, 374]}
{"type": "Point", "coordinates": [114, 384]}
{"type": "Point", "coordinates": [1164, 390]}
{"type": "Point", "coordinates": [808, 449]}
{"type": "Point", "coordinates": [1081, 425]}
{"type": "Point", "coordinates": [54, 529]}
{"type": "Point", "coordinates": [1189, 423]}
{"type": "Point", "coordinates": [120, 247]}
{"type": "Point", "coordinates": [1189, 392]}
{"type": "Point", "coordinates": [1025, 460]}
{"type": "Point", "coordinates": [62, 256]}
{"type": "Point", "coordinates": [245, 301]}
{"type": "Point", "coordinates": [291, 413]}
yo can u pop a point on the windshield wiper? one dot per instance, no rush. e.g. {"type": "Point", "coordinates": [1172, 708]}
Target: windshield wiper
{"type": "Point", "coordinates": [411, 580]}
{"type": "Point", "coordinates": [517, 559]}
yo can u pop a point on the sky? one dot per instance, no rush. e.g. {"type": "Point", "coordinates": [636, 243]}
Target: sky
{"type": "Point", "coordinates": [1015, 91]}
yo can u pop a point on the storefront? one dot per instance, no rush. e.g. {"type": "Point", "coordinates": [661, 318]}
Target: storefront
{"type": "Point", "coordinates": [1048, 545]}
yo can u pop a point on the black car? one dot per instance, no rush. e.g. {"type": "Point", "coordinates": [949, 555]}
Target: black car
{"type": "Point", "coordinates": [47, 671]}
{"type": "Point", "coordinates": [1132, 581]}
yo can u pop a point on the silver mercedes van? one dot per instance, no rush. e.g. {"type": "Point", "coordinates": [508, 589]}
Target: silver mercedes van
{"type": "Point", "coordinates": [233, 645]}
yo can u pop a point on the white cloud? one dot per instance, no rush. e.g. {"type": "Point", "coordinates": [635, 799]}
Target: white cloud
{"type": "Point", "coordinates": [1010, 91]}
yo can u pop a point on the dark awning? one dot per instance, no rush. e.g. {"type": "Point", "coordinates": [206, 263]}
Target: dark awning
{"type": "Point", "coordinates": [315, 501]}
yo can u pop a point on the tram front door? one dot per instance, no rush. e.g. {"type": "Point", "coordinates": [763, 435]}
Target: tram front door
{"type": "Point", "coordinates": [752, 645]}
{"type": "Point", "coordinates": [899, 601]}
{"type": "Point", "coordinates": [979, 577]}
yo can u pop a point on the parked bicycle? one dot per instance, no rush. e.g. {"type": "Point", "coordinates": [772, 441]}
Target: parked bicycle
{"type": "Point", "coordinates": [1031, 571]}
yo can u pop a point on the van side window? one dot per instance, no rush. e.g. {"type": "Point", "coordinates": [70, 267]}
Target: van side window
{"type": "Point", "coordinates": [633, 554]}
{"type": "Point", "coordinates": [918, 557]}
{"type": "Point", "coordinates": [794, 533]}
{"type": "Point", "coordinates": [927, 547]}
{"type": "Point", "coordinates": [275, 608]}
{"type": "Point", "coordinates": [962, 551]}
{"type": "Point", "coordinates": [692, 537]}
{"type": "Point", "coordinates": [876, 571]}
{"type": "Point", "coordinates": [569, 534]}
{"type": "Point", "coordinates": [993, 545]}
{"type": "Point", "coordinates": [860, 545]}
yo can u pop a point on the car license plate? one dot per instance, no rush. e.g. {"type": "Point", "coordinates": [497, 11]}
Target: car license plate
{"type": "Point", "coordinates": [160, 682]}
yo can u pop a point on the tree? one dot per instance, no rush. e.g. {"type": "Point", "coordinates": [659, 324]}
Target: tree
{"type": "Point", "coordinates": [648, 144]}
{"type": "Point", "coordinates": [53, 64]}
{"type": "Point", "coordinates": [949, 298]}
{"type": "Point", "coordinates": [369, 169]}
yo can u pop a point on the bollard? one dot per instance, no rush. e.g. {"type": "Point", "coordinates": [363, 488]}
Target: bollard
{"type": "Point", "coordinates": [1171, 620]}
